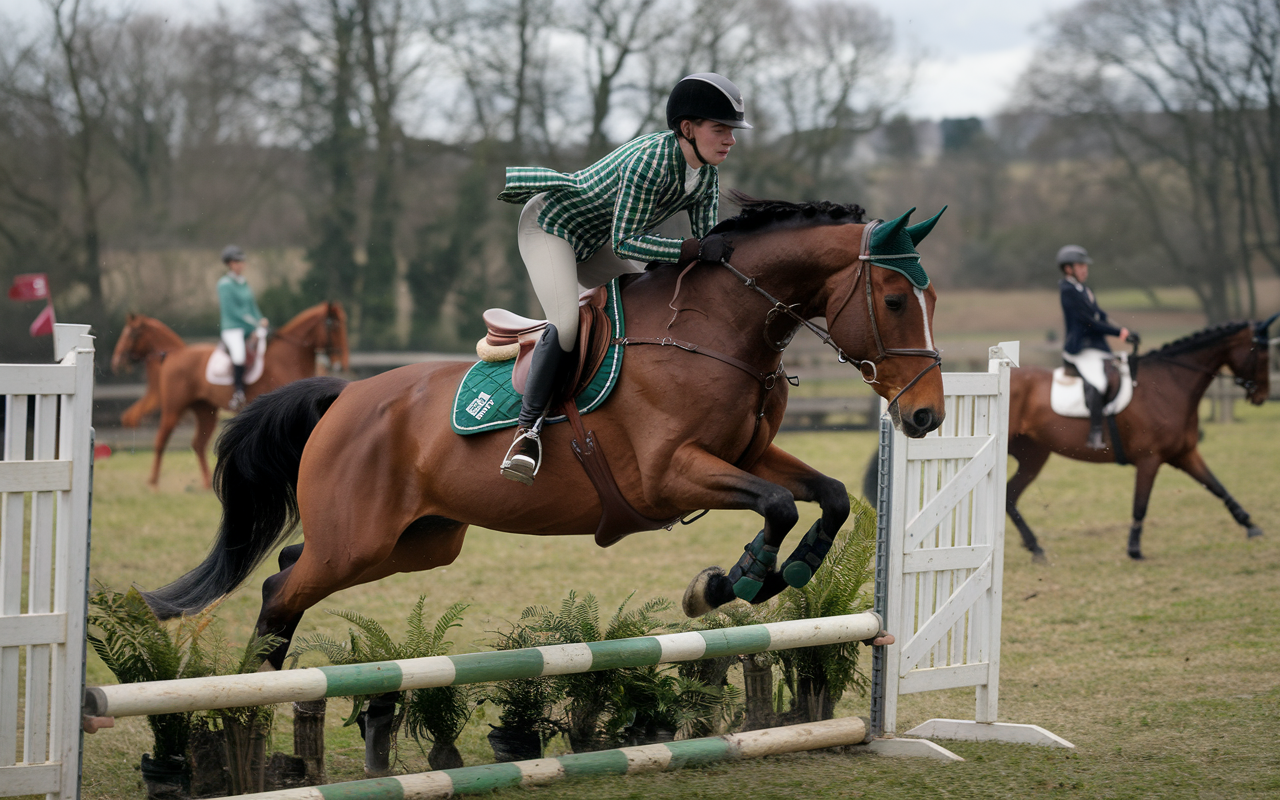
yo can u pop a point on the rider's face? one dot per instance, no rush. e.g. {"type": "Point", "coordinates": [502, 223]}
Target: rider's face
{"type": "Point", "coordinates": [1079, 271]}
{"type": "Point", "coordinates": [714, 139]}
{"type": "Point", "coordinates": [236, 266]}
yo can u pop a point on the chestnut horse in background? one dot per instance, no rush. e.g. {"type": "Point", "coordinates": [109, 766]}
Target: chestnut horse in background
{"type": "Point", "coordinates": [382, 484]}
{"type": "Point", "coordinates": [1159, 426]}
{"type": "Point", "coordinates": [175, 372]}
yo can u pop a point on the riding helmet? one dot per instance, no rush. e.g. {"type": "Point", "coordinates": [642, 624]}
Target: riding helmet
{"type": "Point", "coordinates": [232, 253]}
{"type": "Point", "coordinates": [1073, 254]}
{"type": "Point", "coordinates": [706, 95]}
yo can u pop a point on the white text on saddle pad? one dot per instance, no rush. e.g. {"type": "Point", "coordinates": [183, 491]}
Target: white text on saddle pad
{"type": "Point", "coordinates": [1067, 395]}
{"type": "Point", "coordinates": [218, 369]}
{"type": "Point", "coordinates": [480, 406]}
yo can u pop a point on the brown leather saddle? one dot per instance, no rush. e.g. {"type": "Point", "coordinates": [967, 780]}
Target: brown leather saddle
{"type": "Point", "coordinates": [595, 334]}
{"type": "Point", "coordinates": [618, 518]}
{"type": "Point", "coordinates": [1109, 369]}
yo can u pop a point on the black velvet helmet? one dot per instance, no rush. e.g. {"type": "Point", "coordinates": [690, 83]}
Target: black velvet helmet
{"type": "Point", "coordinates": [1073, 254]}
{"type": "Point", "coordinates": [706, 95]}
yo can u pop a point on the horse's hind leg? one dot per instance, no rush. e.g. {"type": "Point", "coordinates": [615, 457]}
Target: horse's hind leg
{"type": "Point", "coordinates": [206, 423]}
{"type": "Point", "coordinates": [1193, 464]}
{"type": "Point", "coordinates": [308, 575]}
{"type": "Point", "coordinates": [1031, 459]}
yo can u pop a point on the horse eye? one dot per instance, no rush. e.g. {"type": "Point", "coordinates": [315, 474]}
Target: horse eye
{"type": "Point", "coordinates": [894, 302]}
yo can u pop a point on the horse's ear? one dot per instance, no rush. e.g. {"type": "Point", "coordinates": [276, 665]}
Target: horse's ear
{"type": "Point", "coordinates": [919, 231]}
{"type": "Point", "coordinates": [888, 231]}
{"type": "Point", "coordinates": [1263, 326]}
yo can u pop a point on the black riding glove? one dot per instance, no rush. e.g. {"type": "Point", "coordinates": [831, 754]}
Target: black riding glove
{"type": "Point", "coordinates": [688, 252]}
{"type": "Point", "coordinates": [715, 248]}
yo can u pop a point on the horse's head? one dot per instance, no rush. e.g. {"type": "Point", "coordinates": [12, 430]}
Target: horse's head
{"type": "Point", "coordinates": [880, 310]}
{"type": "Point", "coordinates": [130, 346]}
{"type": "Point", "coordinates": [1250, 359]}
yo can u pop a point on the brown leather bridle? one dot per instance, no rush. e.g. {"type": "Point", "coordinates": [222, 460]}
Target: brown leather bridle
{"type": "Point", "coordinates": [330, 320]}
{"type": "Point", "coordinates": [882, 352]}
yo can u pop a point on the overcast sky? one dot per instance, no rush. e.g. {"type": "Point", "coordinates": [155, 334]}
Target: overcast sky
{"type": "Point", "coordinates": [973, 50]}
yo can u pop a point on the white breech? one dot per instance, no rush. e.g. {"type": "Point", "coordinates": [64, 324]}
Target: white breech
{"type": "Point", "coordinates": [1091, 364]}
{"type": "Point", "coordinates": [233, 338]}
{"type": "Point", "coordinates": [557, 276]}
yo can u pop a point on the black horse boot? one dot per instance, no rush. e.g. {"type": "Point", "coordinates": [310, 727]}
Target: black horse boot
{"type": "Point", "coordinates": [237, 377]}
{"type": "Point", "coordinates": [525, 454]}
{"type": "Point", "coordinates": [1094, 399]}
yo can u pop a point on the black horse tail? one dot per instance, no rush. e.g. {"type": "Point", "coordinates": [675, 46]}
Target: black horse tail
{"type": "Point", "coordinates": [257, 480]}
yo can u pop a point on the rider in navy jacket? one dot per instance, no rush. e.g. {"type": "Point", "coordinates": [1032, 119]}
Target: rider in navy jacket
{"type": "Point", "coordinates": [1085, 345]}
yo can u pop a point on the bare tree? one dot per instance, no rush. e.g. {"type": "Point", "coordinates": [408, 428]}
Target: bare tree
{"type": "Point", "coordinates": [1185, 92]}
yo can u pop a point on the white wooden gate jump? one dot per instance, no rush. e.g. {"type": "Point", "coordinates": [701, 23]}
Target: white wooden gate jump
{"type": "Point", "coordinates": [44, 509]}
{"type": "Point", "coordinates": [938, 582]}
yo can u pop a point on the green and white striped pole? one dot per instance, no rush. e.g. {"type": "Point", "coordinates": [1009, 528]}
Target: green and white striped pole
{"type": "Point", "coordinates": [269, 688]}
{"type": "Point", "coordinates": [624, 761]}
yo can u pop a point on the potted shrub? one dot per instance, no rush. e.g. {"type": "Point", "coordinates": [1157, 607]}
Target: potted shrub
{"type": "Point", "coordinates": [245, 731]}
{"type": "Point", "coordinates": [817, 677]}
{"type": "Point", "coordinates": [437, 715]}
{"type": "Point", "coordinates": [653, 704]}
{"type": "Point", "coordinates": [524, 705]}
{"type": "Point", "coordinates": [135, 646]}
{"type": "Point", "coordinates": [590, 696]}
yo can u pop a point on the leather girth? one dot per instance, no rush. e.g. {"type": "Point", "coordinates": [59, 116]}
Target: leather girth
{"type": "Point", "coordinates": [617, 517]}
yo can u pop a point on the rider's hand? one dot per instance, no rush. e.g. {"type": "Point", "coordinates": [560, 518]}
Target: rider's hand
{"type": "Point", "coordinates": [1124, 334]}
{"type": "Point", "coordinates": [715, 248]}
{"type": "Point", "coordinates": [262, 323]}
{"type": "Point", "coordinates": [689, 251]}
{"type": "Point", "coordinates": [1133, 338]}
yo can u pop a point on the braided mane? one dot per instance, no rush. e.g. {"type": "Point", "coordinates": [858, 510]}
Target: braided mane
{"type": "Point", "coordinates": [1200, 339]}
{"type": "Point", "coordinates": [758, 215]}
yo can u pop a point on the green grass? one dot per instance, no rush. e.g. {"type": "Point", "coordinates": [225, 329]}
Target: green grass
{"type": "Point", "coordinates": [1165, 674]}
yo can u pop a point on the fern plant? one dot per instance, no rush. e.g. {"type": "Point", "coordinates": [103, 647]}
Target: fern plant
{"type": "Point", "coordinates": [591, 696]}
{"type": "Point", "coordinates": [246, 729]}
{"type": "Point", "coordinates": [817, 677]}
{"type": "Point", "coordinates": [136, 646]}
{"type": "Point", "coordinates": [437, 714]}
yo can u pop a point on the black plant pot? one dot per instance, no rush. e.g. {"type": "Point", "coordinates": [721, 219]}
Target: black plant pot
{"type": "Point", "coordinates": [166, 778]}
{"type": "Point", "coordinates": [514, 744]}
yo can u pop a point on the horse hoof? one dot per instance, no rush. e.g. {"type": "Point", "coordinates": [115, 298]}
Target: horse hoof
{"type": "Point", "coordinates": [708, 590]}
{"type": "Point", "coordinates": [1254, 532]}
{"type": "Point", "coordinates": [797, 574]}
{"type": "Point", "coordinates": [1137, 555]}
{"type": "Point", "coordinates": [1038, 557]}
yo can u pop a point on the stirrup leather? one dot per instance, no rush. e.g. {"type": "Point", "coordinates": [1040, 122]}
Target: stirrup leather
{"type": "Point", "coordinates": [519, 466]}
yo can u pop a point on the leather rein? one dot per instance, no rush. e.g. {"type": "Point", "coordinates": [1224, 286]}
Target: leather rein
{"type": "Point", "coordinates": [768, 380]}
{"type": "Point", "coordinates": [1260, 344]}
{"type": "Point", "coordinates": [329, 322]}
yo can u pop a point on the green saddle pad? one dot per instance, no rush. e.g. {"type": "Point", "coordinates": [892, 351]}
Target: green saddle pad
{"type": "Point", "coordinates": [486, 401]}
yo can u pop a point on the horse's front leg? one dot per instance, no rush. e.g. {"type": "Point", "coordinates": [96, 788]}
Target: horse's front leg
{"type": "Point", "coordinates": [1193, 464]}
{"type": "Point", "coordinates": [1143, 482]}
{"type": "Point", "coordinates": [697, 479]}
{"type": "Point", "coordinates": [806, 484]}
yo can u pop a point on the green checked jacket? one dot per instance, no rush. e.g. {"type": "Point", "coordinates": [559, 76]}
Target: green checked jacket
{"type": "Point", "coordinates": [621, 198]}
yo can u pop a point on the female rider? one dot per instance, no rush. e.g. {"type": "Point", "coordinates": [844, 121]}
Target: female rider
{"type": "Point", "coordinates": [568, 219]}
{"type": "Point", "coordinates": [240, 317]}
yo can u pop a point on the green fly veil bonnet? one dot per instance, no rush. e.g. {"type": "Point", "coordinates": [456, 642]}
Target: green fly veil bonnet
{"type": "Point", "coordinates": [892, 245]}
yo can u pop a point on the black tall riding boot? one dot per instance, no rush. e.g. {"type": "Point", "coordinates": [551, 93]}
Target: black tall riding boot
{"type": "Point", "coordinates": [525, 455]}
{"type": "Point", "coordinates": [237, 377]}
{"type": "Point", "coordinates": [1095, 401]}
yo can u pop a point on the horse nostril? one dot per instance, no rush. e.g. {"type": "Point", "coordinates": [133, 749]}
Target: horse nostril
{"type": "Point", "coordinates": [923, 419]}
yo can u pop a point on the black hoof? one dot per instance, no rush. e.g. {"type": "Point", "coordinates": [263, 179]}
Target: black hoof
{"type": "Point", "coordinates": [1254, 532]}
{"type": "Point", "coordinates": [1137, 555]}
{"type": "Point", "coordinates": [1038, 557]}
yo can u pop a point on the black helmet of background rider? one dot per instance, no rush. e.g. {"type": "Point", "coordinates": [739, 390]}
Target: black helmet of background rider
{"type": "Point", "coordinates": [705, 95]}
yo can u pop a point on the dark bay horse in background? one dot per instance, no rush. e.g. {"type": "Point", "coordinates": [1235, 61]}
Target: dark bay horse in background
{"type": "Point", "coordinates": [1160, 425]}
{"type": "Point", "coordinates": [382, 484]}
{"type": "Point", "coordinates": [176, 372]}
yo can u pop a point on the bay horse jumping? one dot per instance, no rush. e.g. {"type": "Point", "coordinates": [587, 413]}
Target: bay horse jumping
{"type": "Point", "coordinates": [176, 372]}
{"type": "Point", "coordinates": [382, 484]}
{"type": "Point", "coordinates": [1159, 426]}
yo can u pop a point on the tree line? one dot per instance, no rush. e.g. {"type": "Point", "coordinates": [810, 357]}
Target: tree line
{"type": "Point", "coordinates": [373, 134]}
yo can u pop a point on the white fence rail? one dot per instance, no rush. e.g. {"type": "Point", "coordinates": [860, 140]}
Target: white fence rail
{"type": "Point", "coordinates": [45, 478]}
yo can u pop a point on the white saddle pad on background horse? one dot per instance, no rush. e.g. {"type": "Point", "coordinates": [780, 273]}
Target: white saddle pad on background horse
{"type": "Point", "coordinates": [1067, 395]}
{"type": "Point", "coordinates": [218, 369]}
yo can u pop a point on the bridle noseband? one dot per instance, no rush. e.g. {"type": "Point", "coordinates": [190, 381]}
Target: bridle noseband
{"type": "Point", "coordinates": [867, 368]}
{"type": "Point", "coordinates": [329, 322]}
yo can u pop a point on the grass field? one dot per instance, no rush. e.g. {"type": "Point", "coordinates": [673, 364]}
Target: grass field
{"type": "Point", "coordinates": [1165, 674]}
